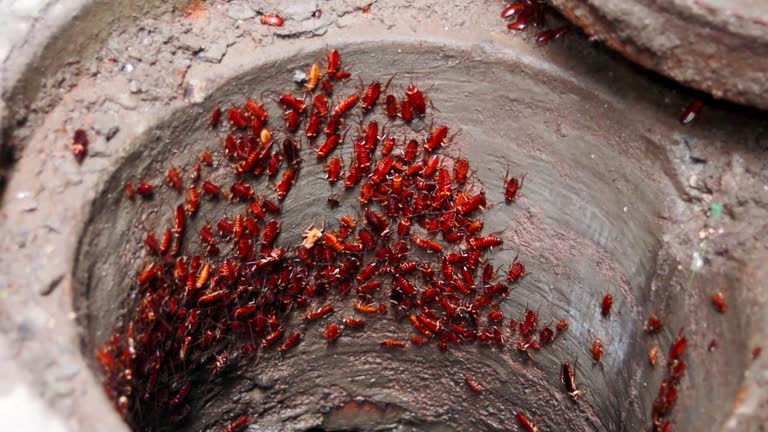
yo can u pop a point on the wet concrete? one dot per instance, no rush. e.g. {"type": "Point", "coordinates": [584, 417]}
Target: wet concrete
{"type": "Point", "coordinates": [617, 198]}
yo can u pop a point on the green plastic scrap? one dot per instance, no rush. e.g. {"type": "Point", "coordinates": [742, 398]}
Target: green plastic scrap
{"type": "Point", "coordinates": [717, 209]}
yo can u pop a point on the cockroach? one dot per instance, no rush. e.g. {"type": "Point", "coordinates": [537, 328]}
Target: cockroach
{"type": "Point", "coordinates": [605, 305]}
{"type": "Point", "coordinates": [327, 86]}
{"type": "Point", "coordinates": [381, 170]}
{"type": "Point", "coordinates": [597, 351]}
{"type": "Point", "coordinates": [292, 120]}
{"type": "Point", "coordinates": [654, 324]}
{"type": "Point", "coordinates": [678, 347]}
{"type": "Point", "coordinates": [712, 346]}
{"type": "Point", "coordinates": [653, 355]}
{"type": "Point", "coordinates": [333, 169]}
{"type": "Point", "coordinates": [345, 105]}
{"type": "Point", "coordinates": [130, 190]}
{"type": "Point", "coordinates": [270, 206]}
{"type": "Point", "coordinates": [371, 139]}
{"type": "Point", "coordinates": [365, 308]}
{"type": "Point", "coordinates": [426, 244]}
{"type": "Point", "coordinates": [226, 228]}
{"type": "Point", "coordinates": [718, 302]}
{"type": "Point", "coordinates": [547, 36]}
{"type": "Point", "coordinates": [546, 335]}
{"type": "Point", "coordinates": [521, 23]}
{"type": "Point", "coordinates": [215, 116]}
{"type": "Point", "coordinates": [484, 242]}
{"type": "Point", "coordinates": [404, 227]}
{"type": "Point", "coordinates": [174, 179]}
{"type": "Point", "coordinates": [330, 145]}
{"type": "Point", "coordinates": [290, 342]}
{"type": "Point", "coordinates": [334, 63]}
{"type": "Point", "coordinates": [390, 106]}
{"type": "Point", "coordinates": [165, 244]}
{"type": "Point", "coordinates": [271, 231]}
{"type": "Point", "coordinates": [149, 273]}
{"type": "Point", "coordinates": [369, 287]}
{"type": "Point", "coordinates": [377, 221]}
{"type": "Point", "coordinates": [272, 20]}
{"type": "Point", "coordinates": [419, 340]}
{"type": "Point", "coordinates": [333, 126]}
{"type": "Point", "coordinates": [496, 316]}
{"type": "Point", "coordinates": [526, 423]}
{"type": "Point", "coordinates": [756, 351]}
{"type": "Point", "coordinates": [512, 9]}
{"type": "Point", "coordinates": [265, 136]}
{"type": "Point", "coordinates": [511, 186]}
{"type": "Point", "coordinates": [471, 204]}
{"type": "Point", "coordinates": [320, 105]}
{"type": "Point", "coordinates": [180, 395]}
{"type": "Point", "coordinates": [416, 98]}
{"type": "Point", "coordinates": [691, 112]}
{"type": "Point", "coordinates": [367, 272]}
{"type": "Point", "coordinates": [343, 74]}
{"type": "Point", "coordinates": [292, 102]}
{"type": "Point", "coordinates": [334, 242]}
{"type": "Point", "coordinates": [206, 235]}
{"type": "Point", "coordinates": [237, 118]}
{"type": "Point", "coordinates": [145, 190]}
{"type": "Point", "coordinates": [332, 332]}
{"type": "Point", "coordinates": [151, 242]}
{"type": "Point", "coordinates": [311, 236]}
{"type": "Point", "coordinates": [391, 343]}
{"type": "Point", "coordinates": [371, 96]}
{"type": "Point", "coordinates": [313, 77]}
{"type": "Point", "coordinates": [568, 378]}
{"type": "Point", "coordinates": [193, 200]}
{"type": "Point", "coordinates": [437, 137]}
{"type": "Point", "coordinates": [210, 188]}
{"type": "Point", "coordinates": [273, 337]}
{"type": "Point", "coordinates": [405, 285]}
{"type": "Point", "coordinates": [291, 151]}
{"type": "Point", "coordinates": [406, 111]}
{"type": "Point", "coordinates": [179, 220]}
{"type": "Point", "coordinates": [256, 110]}
{"type": "Point", "coordinates": [212, 297]}
{"type": "Point", "coordinates": [242, 191]}
{"type": "Point", "coordinates": [461, 170]}
{"type": "Point", "coordinates": [473, 384]}
{"type": "Point", "coordinates": [203, 275]}
{"type": "Point", "coordinates": [285, 185]}
{"type": "Point", "coordinates": [516, 271]}
{"type": "Point", "coordinates": [353, 323]}
{"type": "Point", "coordinates": [562, 325]}
{"type": "Point", "coordinates": [318, 313]}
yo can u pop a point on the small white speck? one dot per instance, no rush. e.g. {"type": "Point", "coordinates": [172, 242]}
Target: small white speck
{"type": "Point", "coordinates": [765, 187]}
{"type": "Point", "coordinates": [128, 67]}
{"type": "Point", "coordinates": [23, 195]}
{"type": "Point", "coordinates": [625, 209]}
{"type": "Point", "coordinates": [697, 262]}
{"type": "Point", "coordinates": [592, 156]}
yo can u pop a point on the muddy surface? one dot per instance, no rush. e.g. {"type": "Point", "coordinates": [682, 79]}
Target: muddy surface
{"type": "Point", "coordinates": [619, 197]}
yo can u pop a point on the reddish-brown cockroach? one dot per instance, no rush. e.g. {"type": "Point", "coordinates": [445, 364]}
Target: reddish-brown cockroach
{"type": "Point", "coordinates": [597, 351]}
{"type": "Point", "coordinates": [320, 312]}
{"type": "Point", "coordinates": [391, 343]}
{"type": "Point", "coordinates": [130, 190]}
{"type": "Point", "coordinates": [691, 112]}
{"type": "Point", "coordinates": [547, 36]}
{"type": "Point", "coordinates": [382, 169]}
{"type": "Point", "coordinates": [496, 316]}
{"type": "Point", "coordinates": [174, 179]}
{"type": "Point", "coordinates": [353, 323]}
{"type": "Point", "coordinates": [203, 275]}
{"type": "Point", "coordinates": [562, 325]}
{"type": "Point", "coordinates": [271, 338]}
{"type": "Point", "coordinates": [320, 104]}
{"type": "Point", "coordinates": [334, 63]}
{"type": "Point", "coordinates": [405, 285]}
{"type": "Point", "coordinates": [211, 188]}
{"type": "Point", "coordinates": [369, 287]}
{"type": "Point", "coordinates": [605, 305]}
{"type": "Point", "coordinates": [427, 244]}
{"type": "Point", "coordinates": [377, 221]}
{"type": "Point", "coordinates": [149, 273]}
{"type": "Point", "coordinates": [180, 395]}
{"type": "Point", "coordinates": [242, 191]}
{"type": "Point", "coordinates": [345, 105]}
{"type": "Point", "coordinates": [678, 347]}
{"type": "Point", "coordinates": [419, 340]}
{"type": "Point", "coordinates": [473, 384]}
{"type": "Point", "coordinates": [512, 9]}
{"type": "Point", "coordinates": [654, 324]}
{"type": "Point", "coordinates": [237, 118]}
{"type": "Point", "coordinates": [526, 423]}
{"type": "Point", "coordinates": [404, 227]}
{"type": "Point", "coordinates": [313, 77]}
{"type": "Point", "coordinates": [511, 187]}
{"type": "Point", "coordinates": [366, 238]}
{"type": "Point", "coordinates": [333, 241]}
{"type": "Point", "coordinates": [371, 137]}
{"type": "Point", "coordinates": [568, 378]}
{"type": "Point", "coordinates": [411, 151]}
{"type": "Point", "coordinates": [206, 158]}
{"type": "Point", "coordinates": [256, 110]}
{"type": "Point", "coordinates": [366, 308]}
{"type": "Point", "coordinates": [193, 200]}
{"type": "Point", "coordinates": [333, 169]}
{"type": "Point", "coordinates": [416, 99]}
{"type": "Point", "coordinates": [292, 120]}
{"type": "Point", "coordinates": [293, 103]}
{"type": "Point", "coordinates": [145, 190]}
{"type": "Point", "coordinates": [237, 425]}
{"type": "Point", "coordinates": [212, 297]}
{"type": "Point", "coordinates": [290, 342]}
{"type": "Point", "coordinates": [179, 220]}
{"type": "Point", "coordinates": [272, 20]}
{"type": "Point", "coordinates": [516, 271]}
{"type": "Point", "coordinates": [437, 138]}
{"type": "Point", "coordinates": [79, 146]}
{"type": "Point", "coordinates": [151, 242]}
{"type": "Point", "coordinates": [406, 111]}
{"type": "Point", "coordinates": [332, 332]}
{"type": "Point", "coordinates": [215, 116]}
{"type": "Point", "coordinates": [330, 145]}
{"type": "Point", "coordinates": [327, 86]}
{"type": "Point", "coordinates": [206, 235]}
{"type": "Point", "coordinates": [484, 242]}
{"type": "Point", "coordinates": [471, 204]}
{"type": "Point", "coordinates": [712, 346]}
{"type": "Point", "coordinates": [390, 106]}
{"type": "Point", "coordinates": [461, 170]}
{"type": "Point", "coordinates": [285, 185]}
{"type": "Point", "coordinates": [165, 244]}
{"type": "Point", "coordinates": [718, 302]}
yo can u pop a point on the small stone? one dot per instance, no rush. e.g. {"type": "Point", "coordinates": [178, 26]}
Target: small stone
{"type": "Point", "coordinates": [134, 87]}
{"type": "Point", "coordinates": [299, 76]}
{"type": "Point", "coordinates": [239, 11]}
{"type": "Point", "coordinates": [214, 53]}
{"type": "Point", "coordinates": [111, 132]}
